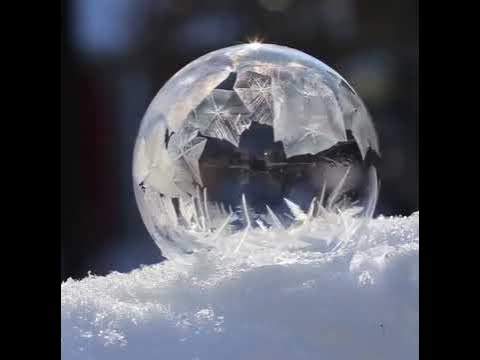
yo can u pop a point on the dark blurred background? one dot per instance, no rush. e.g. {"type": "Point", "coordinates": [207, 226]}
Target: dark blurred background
{"type": "Point", "coordinates": [116, 54]}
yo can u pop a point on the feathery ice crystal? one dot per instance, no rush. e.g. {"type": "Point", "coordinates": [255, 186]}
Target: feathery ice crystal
{"type": "Point", "coordinates": [249, 138]}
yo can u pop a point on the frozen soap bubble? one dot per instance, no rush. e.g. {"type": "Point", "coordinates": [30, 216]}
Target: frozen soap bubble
{"type": "Point", "coordinates": [253, 138]}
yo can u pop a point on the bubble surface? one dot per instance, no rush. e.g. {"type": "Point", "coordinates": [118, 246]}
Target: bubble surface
{"type": "Point", "coordinates": [253, 137]}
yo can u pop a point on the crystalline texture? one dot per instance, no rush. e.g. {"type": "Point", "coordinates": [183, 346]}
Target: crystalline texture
{"type": "Point", "coordinates": [364, 132]}
{"type": "Point", "coordinates": [249, 139]}
{"type": "Point", "coordinates": [222, 115]}
{"type": "Point", "coordinates": [356, 119]}
{"type": "Point", "coordinates": [155, 162]}
{"type": "Point", "coordinates": [307, 118]}
{"type": "Point", "coordinates": [255, 90]}
{"type": "Point", "coordinates": [186, 89]}
{"type": "Point", "coordinates": [185, 148]}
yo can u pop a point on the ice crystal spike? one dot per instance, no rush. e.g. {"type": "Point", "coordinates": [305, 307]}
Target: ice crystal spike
{"type": "Point", "coordinates": [252, 139]}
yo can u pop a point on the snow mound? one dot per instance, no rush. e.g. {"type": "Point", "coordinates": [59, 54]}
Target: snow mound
{"type": "Point", "coordinates": [355, 301]}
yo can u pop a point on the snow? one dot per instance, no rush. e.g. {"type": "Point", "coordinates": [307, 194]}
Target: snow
{"type": "Point", "coordinates": [350, 302]}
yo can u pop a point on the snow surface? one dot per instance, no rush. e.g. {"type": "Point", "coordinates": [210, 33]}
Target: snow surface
{"type": "Point", "coordinates": [355, 302]}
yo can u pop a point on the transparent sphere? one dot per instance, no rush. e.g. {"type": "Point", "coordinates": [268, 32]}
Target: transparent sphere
{"type": "Point", "coordinates": [249, 138]}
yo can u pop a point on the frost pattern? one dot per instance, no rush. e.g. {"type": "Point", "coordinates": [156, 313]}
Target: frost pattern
{"type": "Point", "coordinates": [310, 108]}
{"type": "Point", "coordinates": [186, 89]}
{"type": "Point", "coordinates": [186, 148]}
{"type": "Point", "coordinates": [308, 119]}
{"type": "Point", "coordinates": [198, 223]}
{"type": "Point", "coordinates": [357, 119]}
{"type": "Point", "coordinates": [255, 90]}
{"type": "Point", "coordinates": [222, 115]}
{"type": "Point", "coordinates": [153, 152]}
